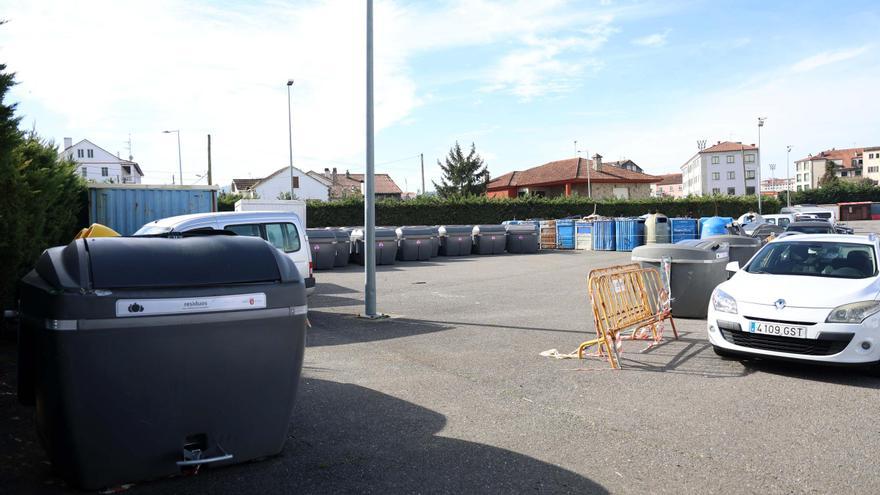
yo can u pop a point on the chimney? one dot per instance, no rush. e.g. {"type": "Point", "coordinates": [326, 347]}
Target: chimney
{"type": "Point", "coordinates": [334, 175]}
{"type": "Point", "coordinates": [597, 162]}
{"type": "Point", "coordinates": [68, 142]}
{"type": "Point", "coordinates": [347, 175]}
{"type": "Point", "coordinates": [327, 172]}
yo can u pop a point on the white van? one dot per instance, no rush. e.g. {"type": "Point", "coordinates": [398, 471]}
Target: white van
{"type": "Point", "coordinates": [781, 219]}
{"type": "Point", "coordinates": [282, 229]}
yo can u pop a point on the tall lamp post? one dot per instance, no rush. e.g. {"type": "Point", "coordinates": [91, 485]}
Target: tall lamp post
{"type": "Point", "coordinates": [760, 125]}
{"type": "Point", "coordinates": [290, 133]}
{"type": "Point", "coordinates": [370, 186]}
{"type": "Point", "coordinates": [179, 162]}
{"type": "Point", "coordinates": [772, 175]}
{"type": "Point", "coordinates": [787, 176]}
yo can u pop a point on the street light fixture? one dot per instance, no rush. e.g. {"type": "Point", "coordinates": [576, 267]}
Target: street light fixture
{"type": "Point", "coordinates": [290, 133]}
{"type": "Point", "coordinates": [179, 162]}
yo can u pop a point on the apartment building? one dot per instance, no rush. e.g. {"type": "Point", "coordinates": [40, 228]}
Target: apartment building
{"type": "Point", "coordinates": [847, 163]}
{"type": "Point", "coordinates": [727, 168]}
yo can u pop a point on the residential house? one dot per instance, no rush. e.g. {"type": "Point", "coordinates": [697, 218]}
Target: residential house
{"type": "Point", "coordinates": [809, 171]}
{"type": "Point", "coordinates": [278, 183]}
{"type": "Point", "coordinates": [668, 187]}
{"type": "Point", "coordinates": [352, 185]}
{"type": "Point", "coordinates": [573, 176]}
{"type": "Point", "coordinates": [626, 164]}
{"type": "Point", "coordinates": [728, 167]}
{"type": "Point", "coordinates": [96, 164]}
{"type": "Point", "coordinates": [871, 163]}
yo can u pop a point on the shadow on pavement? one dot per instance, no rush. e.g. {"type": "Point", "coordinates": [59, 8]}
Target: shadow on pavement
{"type": "Point", "coordinates": [332, 328]}
{"type": "Point", "coordinates": [838, 375]}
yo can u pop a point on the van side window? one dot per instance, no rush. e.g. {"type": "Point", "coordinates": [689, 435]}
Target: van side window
{"type": "Point", "coordinates": [284, 236]}
{"type": "Point", "coordinates": [248, 229]}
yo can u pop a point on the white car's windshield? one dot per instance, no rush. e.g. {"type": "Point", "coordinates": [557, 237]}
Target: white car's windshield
{"type": "Point", "coordinates": [152, 230]}
{"type": "Point", "coordinates": [816, 259]}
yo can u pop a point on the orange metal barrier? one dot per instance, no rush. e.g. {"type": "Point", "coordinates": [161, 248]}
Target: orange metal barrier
{"type": "Point", "coordinates": [626, 297]}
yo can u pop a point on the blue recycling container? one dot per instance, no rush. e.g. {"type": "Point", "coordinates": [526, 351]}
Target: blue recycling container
{"type": "Point", "coordinates": [603, 235]}
{"type": "Point", "coordinates": [630, 233]}
{"type": "Point", "coordinates": [565, 234]}
{"type": "Point", "coordinates": [682, 229]}
{"type": "Point", "coordinates": [714, 226]}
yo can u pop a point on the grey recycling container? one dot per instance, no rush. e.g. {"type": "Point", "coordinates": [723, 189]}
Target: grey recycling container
{"type": "Point", "coordinates": [343, 246]}
{"type": "Point", "coordinates": [742, 248]}
{"type": "Point", "coordinates": [456, 240]}
{"type": "Point", "coordinates": [386, 245]}
{"type": "Point", "coordinates": [322, 243]}
{"type": "Point", "coordinates": [149, 356]}
{"type": "Point", "coordinates": [415, 243]}
{"type": "Point", "coordinates": [489, 239]}
{"type": "Point", "coordinates": [435, 232]}
{"type": "Point", "coordinates": [696, 267]}
{"type": "Point", "coordinates": [522, 238]}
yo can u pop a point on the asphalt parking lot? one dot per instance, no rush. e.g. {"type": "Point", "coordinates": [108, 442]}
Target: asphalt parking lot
{"type": "Point", "coordinates": [450, 395]}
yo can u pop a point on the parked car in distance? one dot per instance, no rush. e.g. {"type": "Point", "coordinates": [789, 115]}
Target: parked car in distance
{"type": "Point", "coordinates": [283, 229]}
{"type": "Point", "coordinates": [811, 227]}
{"type": "Point", "coordinates": [813, 210]}
{"type": "Point", "coordinates": [780, 219]}
{"type": "Point", "coordinates": [804, 297]}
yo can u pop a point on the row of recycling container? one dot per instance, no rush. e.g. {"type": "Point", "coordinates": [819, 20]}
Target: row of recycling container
{"type": "Point", "coordinates": [337, 247]}
{"type": "Point", "coordinates": [625, 234]}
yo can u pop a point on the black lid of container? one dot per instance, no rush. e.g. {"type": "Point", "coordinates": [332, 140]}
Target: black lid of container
{"type": "Point", "coordinates": [457, 229]}
{"type": "Point", "coordinates": [143, 262]}
{"type": "Point", "coordinates": [416, 231]}
{"type": "Point", "coordinates": [735, 240]}
{"type": "Point", "coordinates": [321, 235]}
{"type": "Point", "coordinates": [701, 250]}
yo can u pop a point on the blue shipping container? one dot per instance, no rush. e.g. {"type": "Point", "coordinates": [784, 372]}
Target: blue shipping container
{"type": "Point", "coordinates": [565, 234]}
{"type": "Point", "coordinates": [682, 229]}
{"type": "Point", "coordinates": [603, 235]}
{"type": "Point", "coordinates": [127, 207]}
{"type": "Point", "coordinates": [630, 233]}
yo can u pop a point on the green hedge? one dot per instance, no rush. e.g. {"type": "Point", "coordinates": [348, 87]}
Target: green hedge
{"type": "Point", "coordinates": [482, 210]}
{"type": "Point", "coordinates": [840, 192]}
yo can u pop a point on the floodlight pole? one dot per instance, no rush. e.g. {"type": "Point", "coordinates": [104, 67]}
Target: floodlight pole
{"type": "Point", "coordinates": [370, 186]}
{"type": "Point", "coordinates": [787, 176]}
{"type": "Point", "coordinates": [760, 125]}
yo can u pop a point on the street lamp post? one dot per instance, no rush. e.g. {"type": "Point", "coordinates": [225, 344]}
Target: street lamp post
{"type": "Point", "coordinates": [787, 176]}
{"type": "Point", "coordinates": [760, 125]}
{"type": "Point", "coordinates": [179, 161]}
{"type": "Point", "coordinates": [290, 133]}
{"type": "Point", "coordinates": [772, 176]}
{"type": "Point", "coordinates": [370, 186]}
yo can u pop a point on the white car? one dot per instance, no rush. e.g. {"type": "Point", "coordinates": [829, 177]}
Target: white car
{"type": "Point", "coordinates": [282, 229]}
{"type": "Point", "coordinates": [780, 219]}
{"type": "Point", "coordinates": [804, 297]}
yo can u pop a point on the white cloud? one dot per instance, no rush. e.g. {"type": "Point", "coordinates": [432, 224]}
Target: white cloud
{"type": "Point", "coordinates": [828, 57]}
{"type": "Point", "coordinates": [652, 40]}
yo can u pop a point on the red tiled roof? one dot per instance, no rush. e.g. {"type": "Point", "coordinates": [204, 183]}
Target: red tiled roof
{"type": "Point", "coordinates": [845, 155]}
{"type": "Point", "coordinates": [569, 170]}
{"type": "Point", "coordinates": [723, 146]}
{"type": "Point", "coordinates": [669, 179]}
{"type": "Point", "coordinates": [384, 184]}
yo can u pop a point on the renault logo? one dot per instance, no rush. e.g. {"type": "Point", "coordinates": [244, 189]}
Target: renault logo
{"type": "Point", "coordinates": [780, 303]}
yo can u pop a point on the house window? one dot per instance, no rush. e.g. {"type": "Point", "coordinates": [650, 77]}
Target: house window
{"type": "Point", "coordinates": [799, 177]}
{"type": "Point", "coordinates": [716, 190]}
{"type": "Point", "coordinates": [731, 175]}
{"type": "Point", "coordinates": [750, 158]}
{"type": "Point", "coordinates": [715, 160]}
{"type": "Point", "coordinates": [104, 172]}
{"type": "Point", "coordinates": [80, 154]}
{"type": "Point", "coordinates": [91, 153]}
{"type": "Point", "coordinates": [84, 171]}
{"type": "Point", "coordinates": [731, 191]}
{"type": "Point", "coordinates": [730, 159]}
{"type": "Point", "coordinates": [750, 190]}
{"type": "Point", "coordinates": [874, 169]}
{"type": "Point", "coordinates": [716, 175]}
{"type": "Point", "coordinates": [750, 174]}
{"type": "Point", "coordinates": [295, 182]}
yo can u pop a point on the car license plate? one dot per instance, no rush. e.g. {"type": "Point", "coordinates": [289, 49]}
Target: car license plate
{"type": "Point", "coordinates": [778, 329]}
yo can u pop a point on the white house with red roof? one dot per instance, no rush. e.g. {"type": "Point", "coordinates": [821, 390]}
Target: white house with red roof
{"type": "Point", "coordinates": [727, 168]}
{"type": "Point", "coordinates": [96, 164]}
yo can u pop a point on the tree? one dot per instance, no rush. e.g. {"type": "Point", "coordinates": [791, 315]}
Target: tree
{"type": "Point", "coordinates": [830, 178]}
{"type": "Point", "coordinates": [462, 175]}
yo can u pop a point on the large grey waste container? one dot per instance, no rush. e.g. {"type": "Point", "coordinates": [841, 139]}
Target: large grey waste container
{"type": "Point", "coordinates": [386, 245]}
{"type": "Point", "coordinates": [489, 239]}
{"type": "Point", "coordinates": [456, 240]}
{"type": "Point", "coordinates": [343, 246]}
{"type": "Point", "coordinates": [146, 356]}
{"type": "Point", "coordinates": [741, 249]}
{"type": "Point", "coordinates": [435, 233]}
{"type": "Point", "coordinates": [415, 243]}
{"type": "Point", "coordinates": [322, 243]}
{"type": "Point", "coordinates": [696, 268]}
{"type": "Point", "coordinates": [522, 238]}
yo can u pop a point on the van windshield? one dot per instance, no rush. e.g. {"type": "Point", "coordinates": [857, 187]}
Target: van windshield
{"type": "Point", "coordinates": [815, 259]}
{"type": "Point", "coordinates": [152, 230]}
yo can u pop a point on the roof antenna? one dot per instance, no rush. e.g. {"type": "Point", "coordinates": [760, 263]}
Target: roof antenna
{"type": "Point", "coordinates": [701, 144]}
{"type": "Point", "coordinates": [130, 158]}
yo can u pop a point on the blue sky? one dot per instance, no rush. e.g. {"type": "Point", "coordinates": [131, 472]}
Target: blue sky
{"type": "Point", "coordinates": [522, 80]}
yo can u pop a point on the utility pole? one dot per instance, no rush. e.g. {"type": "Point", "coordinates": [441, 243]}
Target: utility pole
{"type": "Point", "coordinates": [210, 181]}
{"type": "Point", "coordinates": [787, 176]}
{"type": "Point", "coordinates": [422, 157]}
{"type": "Point", "coordinates": [370, 186]}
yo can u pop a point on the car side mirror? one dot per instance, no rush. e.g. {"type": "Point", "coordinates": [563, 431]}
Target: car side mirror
{"type": "Point", "coordinates": [733, 266]}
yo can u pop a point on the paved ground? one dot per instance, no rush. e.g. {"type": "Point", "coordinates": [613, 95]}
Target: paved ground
{"type": "Point", "coordinates": [450, 395]}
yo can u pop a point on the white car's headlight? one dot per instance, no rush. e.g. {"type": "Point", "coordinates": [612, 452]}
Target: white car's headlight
{"type": "Point", "coordinates": [855, 312]}
{"type": "Point", "coordinates": [722, 301]}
